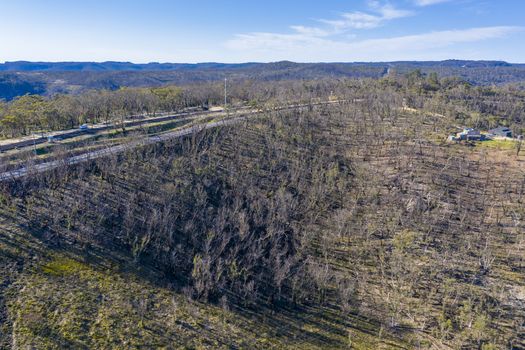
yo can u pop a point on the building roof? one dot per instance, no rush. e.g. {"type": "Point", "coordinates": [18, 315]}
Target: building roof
{"type": "Point", "coordinates": [500, 129]}
{"type": "Point", "coordinates": [469, 131]}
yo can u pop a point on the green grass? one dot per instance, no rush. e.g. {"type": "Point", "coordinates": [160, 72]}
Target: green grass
{"type": "Point", "coordinates": [63, 267]}
{"type": "Point", "coordinates": [498, 144]}
{"type": "Point", "coordinates": [64, 301]}
{"type": "Point", "coordinates": [71, 304]}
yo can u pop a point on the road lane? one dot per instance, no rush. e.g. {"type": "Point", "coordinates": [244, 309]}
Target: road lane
{"type": "Point", "coordinates": [93, 155]}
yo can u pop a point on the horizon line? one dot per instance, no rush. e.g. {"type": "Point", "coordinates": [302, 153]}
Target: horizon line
{"type": "Point", "coordinates": [255, 62]}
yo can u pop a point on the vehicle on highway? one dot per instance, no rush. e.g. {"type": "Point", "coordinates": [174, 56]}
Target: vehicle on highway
{"type": "Point", "coordinates": [84, 127]}
{"type": "Point", "coordinates": [53, 139]}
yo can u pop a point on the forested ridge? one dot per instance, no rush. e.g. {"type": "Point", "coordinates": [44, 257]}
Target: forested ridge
{"type": "Point", "coordinates": [352, 224]}
{"type": "Point", "coordinates": [50, 78]}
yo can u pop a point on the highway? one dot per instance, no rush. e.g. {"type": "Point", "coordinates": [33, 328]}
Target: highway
{"type": "Point", "coordinates": [43, 167]}
{"type": "Point", "coordinates": [47, 166]}
{"type": "Point", "coordinates": [30, 141]}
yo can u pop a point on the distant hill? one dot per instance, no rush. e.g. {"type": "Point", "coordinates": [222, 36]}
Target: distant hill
{"type": "Point", "coordinates": [26, 66]}
{"type": "Point", "coordinates": [22, 77]}
{"type": "Point", "coordinates": [12, 86]}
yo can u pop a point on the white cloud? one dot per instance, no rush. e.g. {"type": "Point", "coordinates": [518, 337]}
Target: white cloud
{"type": "Point", "coordinates": [429, 2]}
{"type": "Point", "coordinates": [336, 41]}
{"type": "Point", "coordinates": [362, 20]}
{"type": "Point", "coordinates": [388, 11]}
{"type": "Point", "coordinates": [350, 20]}
{"type": "Point", "coordinates": [308, 48]}
{"type": "Point", "coordinates": [356, 20]}
{"type": "Point", "coordinates": [435, 39]}
{"type": "Point", "coordinates": [311, 31]}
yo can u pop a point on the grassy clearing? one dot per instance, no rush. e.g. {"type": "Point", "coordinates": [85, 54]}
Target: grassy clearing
{"type": "Point", "coordinates": [61, 300]}
{"type": "Point", "coordinates": [67, 303]}
{"type": "Point", "coordinates": [498, 144]}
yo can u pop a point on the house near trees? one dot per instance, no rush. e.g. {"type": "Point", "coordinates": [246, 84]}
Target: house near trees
{"type": "Point", "coordinates": [501, 131]}
{"type": "Point", "coordinates": [468, 134]}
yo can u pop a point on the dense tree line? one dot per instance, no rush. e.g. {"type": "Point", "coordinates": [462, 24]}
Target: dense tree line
{"type": "Point", "coordinates": [35, 113]}
{"type": "Point", "coordinates": [32, 113]}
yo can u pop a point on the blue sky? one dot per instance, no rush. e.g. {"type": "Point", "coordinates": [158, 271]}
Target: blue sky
{"type": "Point", "coordinates": [262, 31]}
